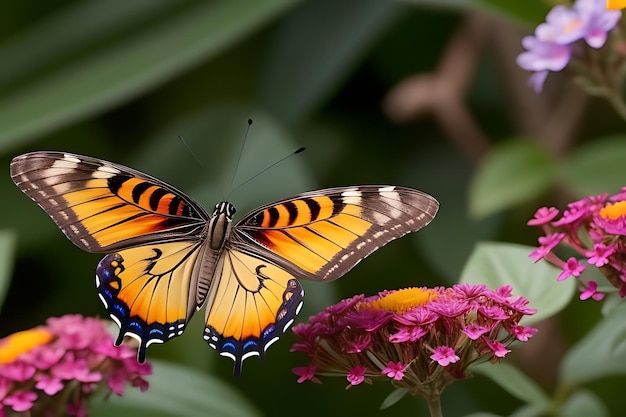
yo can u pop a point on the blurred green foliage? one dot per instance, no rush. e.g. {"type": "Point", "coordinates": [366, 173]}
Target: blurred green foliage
{"type": "Point", "coordinates": [122, 80]}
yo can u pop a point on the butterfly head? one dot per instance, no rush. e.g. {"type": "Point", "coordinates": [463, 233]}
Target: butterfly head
{"type": "Point", "coordinates": [225, 209]}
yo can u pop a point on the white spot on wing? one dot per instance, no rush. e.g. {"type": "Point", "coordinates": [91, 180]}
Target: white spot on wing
{"type": "Point", "coordinates": [70, 158]}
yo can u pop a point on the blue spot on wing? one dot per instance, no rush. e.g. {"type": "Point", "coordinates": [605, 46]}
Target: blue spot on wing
{"type": "Point", "coordinates": [241, 349]}
{"type": "Point", "coordinates": [109, 287]}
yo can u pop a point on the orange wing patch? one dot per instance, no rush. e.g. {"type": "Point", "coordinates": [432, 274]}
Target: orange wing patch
{"type": "Point", "coordinates": [249, 306]}
{"type": "Point", "coordinates": [147, 290]}
{"type": "Point", "coordinates": [321, 235]}
{"type": "Point", "coordinates": [102, 207]}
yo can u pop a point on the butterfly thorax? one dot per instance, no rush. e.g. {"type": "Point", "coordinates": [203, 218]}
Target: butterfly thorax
{"type": "Point", "coordinates": [220, 224]}
{"type": "Point", "coordinates": [217, 232]}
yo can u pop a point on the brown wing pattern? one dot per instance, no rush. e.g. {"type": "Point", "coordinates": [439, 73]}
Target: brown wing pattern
{"type": "Point", "coordinates": [323, 234]}
{"type": "Point", "coordinates": [101, 206]}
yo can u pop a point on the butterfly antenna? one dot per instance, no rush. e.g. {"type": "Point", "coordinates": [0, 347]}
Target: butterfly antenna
{"type": "Point", "coordinates": [297, 151]}
{"type": "Point", "coordinates": [193, 154]}
{"type": "Point", "coordinates": [243, 145]}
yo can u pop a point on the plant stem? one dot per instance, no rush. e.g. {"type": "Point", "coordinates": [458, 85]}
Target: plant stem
{"type": "Point", "coordinates": [434, 406]}
{"type": "Point", "coordinates": [617, 102]}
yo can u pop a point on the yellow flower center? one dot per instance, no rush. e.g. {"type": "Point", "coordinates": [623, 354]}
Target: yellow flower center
{"type": "Point", "coordinates": [613, 211]}
{"type": "Point", "coordinates": [403, 300]}
{"type": "Point", "coordinates": [12, 346]}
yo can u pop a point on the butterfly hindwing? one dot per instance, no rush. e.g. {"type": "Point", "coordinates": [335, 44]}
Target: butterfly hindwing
{"type": "Point", "coordinates": [250, 306]}
{"type": "Point", "coordinates": [101, 206]}
{"type": "Point", "coordinates": [323, 234]}
{"type": "Point", "coordinates": [148, 290]}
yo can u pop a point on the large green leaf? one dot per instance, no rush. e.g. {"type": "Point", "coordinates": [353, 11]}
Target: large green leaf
{"type": "Point", "coordinates": [7, 250]}
{"type": "Point", "coordinates": [315, 48]}
{"type": "Point", "coordinates": [596, 167]}
{"type": "Point", "coordinates": [512, 173]}
{"type": "Point", "coordinates": [136, 63]}
{"type": "Point", "coordinates": [79, 26]}
{"type": "Point", "coordinates": [496, 264]}
{"type": "Point", "coordinates": [514, 382]}
{"type": "Point", "coordinates": [584, 403]}
{"type": "Point", "coordinates": [177, 391]}
{"type": "Point", "coordinates": [602, 352]}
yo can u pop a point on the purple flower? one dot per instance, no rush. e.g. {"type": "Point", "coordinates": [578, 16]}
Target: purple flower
{"type": "Point", "coordinates": [595, 21]}
{"type": "Point", "coordinates": [551, 47]}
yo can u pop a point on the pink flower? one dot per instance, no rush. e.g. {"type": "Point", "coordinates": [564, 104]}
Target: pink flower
{"type": "Point", "coordinates": [474, 320]}
{"type": "Point", "coordinates": [543, 216]}
{"type": "Point", "coordinates": [475, 330]}
{"type": "Point", "coordinates": [58, 366]}
{"type": "Point", "coordinates": [444, 356]}
{"type": "Point", "coordinates": [599, 255]}
{"type": "Point", "coordinates": [523, 333]}
{"type": "Point", "coordinates": [572, 268]}
{"type": "Point", "coordinates": [595, 228]}
{"type": "Point", "coordinates": [394, 370]}
{"type": "Point", "coordinates": [547, 243]}
{"type": "Point", "coordinates": [356, 375]}
{"type": "Point", "coordinates": [591, 291]}
{"type": "Point", "coordinates": [20, 400]}
{"type": "Point", "coordinates": [306, 373]}
{"type": "Point", "coordinates": [498, 348]}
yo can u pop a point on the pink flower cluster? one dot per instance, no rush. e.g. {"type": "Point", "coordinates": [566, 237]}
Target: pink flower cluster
{"type": "Point", "coordinates": [421, 339]}
{"type": "Point", "coordinates": [553, 44]}
{"type": "Point", "coordinates": [53, 369]}
{"type": "Point", "coordinates": [595, 227]}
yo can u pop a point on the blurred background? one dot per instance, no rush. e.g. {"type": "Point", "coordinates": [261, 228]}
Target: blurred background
{"type": "Point", "coordinates": [413, 93]}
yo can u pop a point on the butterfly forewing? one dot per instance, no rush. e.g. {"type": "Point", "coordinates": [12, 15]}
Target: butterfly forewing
{"type": "Point", "coordinates": [101, 206]}
{"type": "Point", "coordinates": [321, 235]}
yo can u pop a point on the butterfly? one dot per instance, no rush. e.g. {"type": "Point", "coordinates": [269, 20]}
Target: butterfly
{"type": "Point", "coordinates": [167, 257]}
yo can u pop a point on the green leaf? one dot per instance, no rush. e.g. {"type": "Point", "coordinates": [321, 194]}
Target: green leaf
{"type": "Point", "coordinates": [602, 352]}
{"type": "Point", "coordinates": [529, 12]}
{"type": "Point", "coordinates": [530, 411]}
{"type": "Point", "coordinates": [483, 415]}
{"type": "Point", "coordinates": [7, 252]}
{"type": "Point", "coordinates": [132, 66]}
{"type": "Point", "coordinates": [77, 27]}
{"type": "Point", "coordinates": [496, 264]}
{"type": "Point", "coordinates": [583, 403]}
{"type": "Point", "coordinates": [395, 396]}
{"type": "Point", "coordinates": [596, 167]}
{"type": "Point", "coordinates": [511, 174]}
{"type": "Point", "coordinates": [177, 391]}
{"type": "Point", "coordinates": [308, 61]}
{"type": "Point", "coordinates": [514, 382]}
